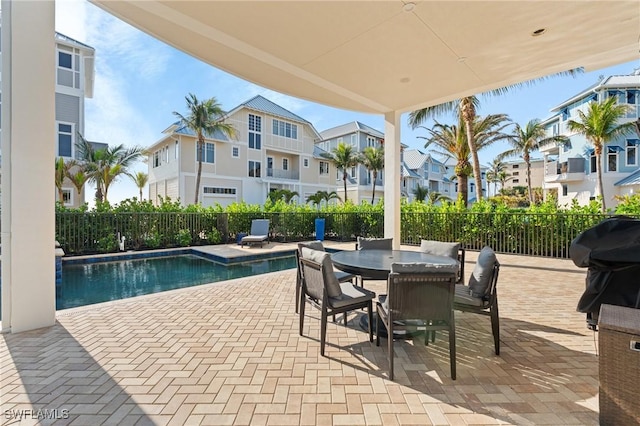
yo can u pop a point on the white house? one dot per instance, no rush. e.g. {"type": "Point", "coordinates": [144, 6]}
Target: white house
{"type": "Point", "coordinates": [273, 149]}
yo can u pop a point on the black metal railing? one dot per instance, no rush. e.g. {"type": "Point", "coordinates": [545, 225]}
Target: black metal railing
{"type": "Point", "coordinates": [532, 234]}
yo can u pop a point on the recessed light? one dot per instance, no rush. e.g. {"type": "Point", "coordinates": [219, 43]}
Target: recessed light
{"type": "Point", "coordinates": [408, 7]}
{"type": "Point", "coordinates": [539, 32]}
{"type": "Point", "coordinates": [405, 80]}
{"type": "Point", "coordinates": [461, 59]}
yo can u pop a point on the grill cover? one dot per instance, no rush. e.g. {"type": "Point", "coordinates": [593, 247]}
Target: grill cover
{"type": "Point", "coordinates": [611, 252]}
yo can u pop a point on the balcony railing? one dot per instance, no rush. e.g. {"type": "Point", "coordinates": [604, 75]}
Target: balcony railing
{"type": "Point", "coordinates": [283, 174]}
{"type": "Point", "coordinates": [566, 171]}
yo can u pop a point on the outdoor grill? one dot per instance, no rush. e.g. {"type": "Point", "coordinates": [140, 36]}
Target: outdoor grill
{"type": "Point", "coordinates": [611, 252]}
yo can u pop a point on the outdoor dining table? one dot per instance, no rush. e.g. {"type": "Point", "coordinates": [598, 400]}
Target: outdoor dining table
{"type": "Point", "coordinates": [376, 265]}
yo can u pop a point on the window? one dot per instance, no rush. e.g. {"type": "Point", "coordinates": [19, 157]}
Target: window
{"type": "Point", "coordinates": [254, 169]}
{"type": "Point", "coordinates": [353, 172]}
{"type": "Point", "coordinates": [435, 168]}
{"type": "Point", "coordinates": [219, 190]}
{"type": "Point", "coordinates": [209, 153]}
{"type": "Point", "coordinates": [593, 163]}
{"type": "Point", "coordinates": [269, 164]}
{"type": "Point", "coordinates": [305, 162]}
{"type": "Point", "coordinates": [67, 197]}
{"type": "Point", "coordinates": [166, 154]}
{"type": "Point", "coordinates": [471, 187]}
{"type": "Point", "coordinates": [631, 157]}
{"type": "Point", "coordinates": [284, 129]}
{"type": "Point", "coordinates": [612, 161]}
{"type": "Point", "coordinates": [156, 159]}
{"type": "Point", "coordinates": [515, 173]}
{"type": "Point", "coordinates": [235, 152]}
{"type": "Point", "coordinates": [176, 150]}
{"type": "Point", "coordinates": [354, 141]}
{"type": "Point", "coordinates": [65, 139]}
{"type": "Point", "coordinates": [371, 141]}
{"type": "Point", "coordinates": [515, 166]}
{"type": "Point", "coordinates": [324, 168]}
{"type": "Point", "coordinates": [68, 72]}
{"type": "Point", "coordinates": [255, 132]}
{"type": "Point", "coordinates": [516, 181]}
{"type": "Point", "coordinates": [565, 190]}
{"type": "Point", "coordinates": [285, 164]}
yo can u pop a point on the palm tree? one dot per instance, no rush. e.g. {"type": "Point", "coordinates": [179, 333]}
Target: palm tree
{"type": "Point", "coordinates": [62, 171]}
{"type": "Point", "coordinates": [373, 159]}
{"type": "Point", "coordinates": [493, 172]}
{"type": "Point", "coordinates": [140, 179]}
{"type": "Point", "coordinates": [315, 199]}
{"type": "Point", "coordinates": [599, 124]}
{"type": "Point", "coordinates": [328, 196]}
{"type": "Point", "coordinates": [282, 194]}
{"type": "Point", "coordinates": [204, 119]}
{"type": "Point", "coordinates": [435, 197]}
{"type": "Point", "coordinates": [451, 141]}
{"type": "Point", "coordinates": [105, 166]}
{"type": "Point", "coordinates": [344, 157]}
{"type": "Point", "coordinates": [465, 108]}
{"type": "Point", "coordinates": [420, 193]}
{"type": "Point", "coordinates": [503, 177]}
{"type": "Point", "coordinates": [524, 141]}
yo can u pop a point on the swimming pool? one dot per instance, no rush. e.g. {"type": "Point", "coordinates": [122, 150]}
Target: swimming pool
{"type": "Point", "coordinates": [89, 283]}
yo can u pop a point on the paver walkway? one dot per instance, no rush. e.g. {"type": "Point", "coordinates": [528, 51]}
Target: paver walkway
{"type": "Point", "coordinates": [230, 353]}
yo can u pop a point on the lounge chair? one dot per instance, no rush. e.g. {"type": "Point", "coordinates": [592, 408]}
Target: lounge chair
{"type": "Point", "coordinates": [259, 232]}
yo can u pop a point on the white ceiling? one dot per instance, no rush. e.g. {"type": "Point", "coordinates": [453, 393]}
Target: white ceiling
{"type": "Point", "coordinates": [381, 56]}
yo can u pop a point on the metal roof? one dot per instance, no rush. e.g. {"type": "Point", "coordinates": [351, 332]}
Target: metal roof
{"type": "Point", "coordinates": [349, 128]}
{"type": "Point", "coordinates": [612, 82]}
{"type": "Point", "coordinates": [262, 104]}
{"type": "Point", "coordinates": [631, 180]}
{"type": "Point", "coordinates": [414, 158]}
{"type": "Point", "coordinates": [62, 37]}
{"type": "Point", "coordinates": [407, 172]}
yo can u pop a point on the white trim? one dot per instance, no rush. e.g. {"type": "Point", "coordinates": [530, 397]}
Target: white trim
{"type": "Point", "coordinates": [72, 134]}
{"type": "Point", "coordinates": [70, 191]}
{"type": "Point", "coordinates": [305, 162]}
{"type": "Point", "coordinates": [235, 149]}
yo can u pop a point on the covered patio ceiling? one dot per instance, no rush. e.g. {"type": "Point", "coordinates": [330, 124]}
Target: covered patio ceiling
{"type": "Point", "coordinates": [382, 56]}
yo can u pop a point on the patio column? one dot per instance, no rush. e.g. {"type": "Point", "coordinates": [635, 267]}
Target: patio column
{"type": "Point", "coordinates": [28, 152]}
{"type": "Point", "coordinates": [392, 174]}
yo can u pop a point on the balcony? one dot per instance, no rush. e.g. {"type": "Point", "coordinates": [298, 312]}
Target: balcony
{"type": "Point", "coordinates": [567, 171]}
{"type": "Point", "coordinates": [283, 174]}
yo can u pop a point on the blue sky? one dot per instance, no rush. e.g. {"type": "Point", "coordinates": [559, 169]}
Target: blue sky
{"type": "Point", "coordinates": [140, 81]}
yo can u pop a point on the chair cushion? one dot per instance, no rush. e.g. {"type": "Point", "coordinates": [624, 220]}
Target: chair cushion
{"type": "Point", "coordinates": [254, 238]}
{"type": "Point", "coordinates": [423, 268]}
{"type": "Point", "coordinates": [375, 243]}
{"type": "Point", "coordinates": [463, 296]}
{"type": "Point", "coordinates": [440, 248]}
{"type": "Point", "coordinates": [315, 245]}
{"type": "Point", "coordinates": [330, 280]}
{"type": "Point", "coordinates": [481, 275]}
{"type": "Point", "coordinates": [351, 295]}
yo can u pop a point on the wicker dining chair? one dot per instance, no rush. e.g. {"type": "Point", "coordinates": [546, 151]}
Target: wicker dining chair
{"type": "Point", "coordinates": [418, 292]}
{"type": "Point", "coordinates": [321, 289]}
{"type": "Point", "coordinates": [452, 250]}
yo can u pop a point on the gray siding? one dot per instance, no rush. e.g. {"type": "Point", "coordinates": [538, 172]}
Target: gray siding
{"type": "Point", "coordinates": [68, 109]}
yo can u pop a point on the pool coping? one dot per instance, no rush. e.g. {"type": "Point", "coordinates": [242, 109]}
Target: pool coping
{"type": "Point", "coordinates": [220, 253]}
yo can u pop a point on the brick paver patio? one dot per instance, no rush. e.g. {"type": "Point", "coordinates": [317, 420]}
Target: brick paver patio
{"type": "Point", "coordinates": [230, 353]}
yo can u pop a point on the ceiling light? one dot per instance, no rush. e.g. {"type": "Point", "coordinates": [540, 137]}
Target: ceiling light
{"type": "Point", "coordinates": [408, 7]}
{"type": "Point", "coordinates": [405, 80]}
{"type": "Point", "coordinates": [538, 32]}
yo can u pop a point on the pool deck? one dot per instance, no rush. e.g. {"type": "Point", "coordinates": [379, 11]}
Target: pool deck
{"type": "Point", "coordinates": [230, 353]}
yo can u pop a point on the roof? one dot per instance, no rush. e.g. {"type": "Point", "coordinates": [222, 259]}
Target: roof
{"type": "Point", "coordinates": [631, 180]}
{"type": "Point", "coordinates": [407, 172]}
{"type": "Point", "coordinates": [60, 36]}
{"type": "Point", "coordinates": [262, 104]}
{"type": "Point", "coordinates": [349, 128]}
{"type": "Point", "coordinates": [321, 154]}
{"type": "Point", "coordinates": [414, 158]}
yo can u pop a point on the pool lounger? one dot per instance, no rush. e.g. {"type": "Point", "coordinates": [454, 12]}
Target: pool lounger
{"type": "Point", "coordinates": [259, 232]}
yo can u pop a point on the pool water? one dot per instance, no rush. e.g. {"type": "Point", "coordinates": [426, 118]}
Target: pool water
{"type": "Point", "coordinates": [85, 284]}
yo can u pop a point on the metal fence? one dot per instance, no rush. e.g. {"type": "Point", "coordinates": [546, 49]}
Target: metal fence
{"type": "Point", "coordinates": [547, 235]}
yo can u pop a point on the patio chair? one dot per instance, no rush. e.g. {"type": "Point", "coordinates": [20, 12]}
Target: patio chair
{"type": "Point", "coordinates": [315, 245]}
{"type": "Point", "coordinates": [259, 232]}
{"type": "Point", "coordinates": [322, 290]}
{"type": "Point", "coordinates": [481, 296]}
{"type": "Point", "coordinates": [452, 250]}
{"type": "Point", "coordinates": [422, 293]}
{"type": "Point", "coordinates": [373, 244]}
